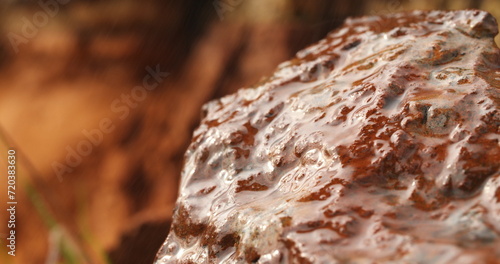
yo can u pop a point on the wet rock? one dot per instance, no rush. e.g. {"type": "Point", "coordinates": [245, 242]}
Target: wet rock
{"type": "Point", "coordinates": [380, 143]}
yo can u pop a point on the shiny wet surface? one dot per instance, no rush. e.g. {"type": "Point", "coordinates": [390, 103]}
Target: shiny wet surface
{"type": "Point", "coordinates": [379, 144]}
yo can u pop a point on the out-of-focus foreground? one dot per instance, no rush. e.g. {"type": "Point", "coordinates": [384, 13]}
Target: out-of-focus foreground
{"type": "Point", "coordinates": [99, 100]}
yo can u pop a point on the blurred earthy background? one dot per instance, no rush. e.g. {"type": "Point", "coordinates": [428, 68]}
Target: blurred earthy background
{"type": "Point", "coordinates": [99, 155]}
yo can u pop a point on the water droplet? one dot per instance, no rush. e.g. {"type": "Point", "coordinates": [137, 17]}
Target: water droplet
{"type": "Point", "coordinates": [172, 248]}
{"type": "Point", "coordinates": [226, 176]}
{"type": "Point", "coordinates": [311, 157]}
{"type": "Point", "coordinates": [165, 259]}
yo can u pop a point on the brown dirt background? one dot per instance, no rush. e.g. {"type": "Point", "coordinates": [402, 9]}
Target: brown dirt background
{"type": "Point", "coordinates": [115, 206]}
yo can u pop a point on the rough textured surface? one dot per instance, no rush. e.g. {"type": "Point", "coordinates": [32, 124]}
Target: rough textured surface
{"type": "Point", "coordinates": [379, 144]}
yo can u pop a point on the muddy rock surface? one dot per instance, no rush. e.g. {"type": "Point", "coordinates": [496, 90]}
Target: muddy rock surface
{"type": "Point", "coordinates": [378, 144]}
